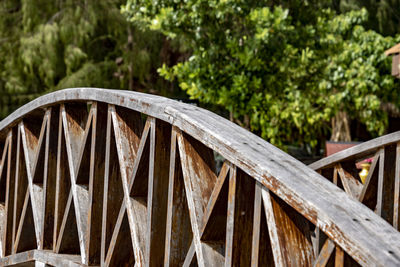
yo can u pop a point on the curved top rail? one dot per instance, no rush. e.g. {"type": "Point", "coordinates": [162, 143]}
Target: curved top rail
{"type": "Point", "coordinates": [361, 233]}
{"type": "Point", "coordinates": [359, 150]}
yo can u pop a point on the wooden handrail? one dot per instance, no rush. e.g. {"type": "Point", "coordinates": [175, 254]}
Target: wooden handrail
{"type": "Point", "coordinates": [101, 131]}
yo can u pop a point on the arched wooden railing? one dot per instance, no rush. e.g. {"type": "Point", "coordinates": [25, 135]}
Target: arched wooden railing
{"type": "Point", "coordinates": [381, 188]}
{"type": "Point", "coordinates": [111, 178]}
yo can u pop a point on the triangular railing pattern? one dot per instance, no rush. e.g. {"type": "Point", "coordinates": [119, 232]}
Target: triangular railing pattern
{"type": "Point", "coordinates": [97, 184]}
{"type": "Point", "coordinates": [381, 189]}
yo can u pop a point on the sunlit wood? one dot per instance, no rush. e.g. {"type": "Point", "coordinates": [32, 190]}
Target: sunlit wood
{"type": "Point", "coordinates": [94, 177]}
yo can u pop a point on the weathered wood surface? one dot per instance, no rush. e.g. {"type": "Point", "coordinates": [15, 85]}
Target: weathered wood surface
{"type": "Point", "coordinates": [361, 150]}
{"type": "Point", "coordinates": [136, 184]}
{"type": "Point", "coordinates": [382, 186]}
{"type": "Point", "coordinates": [381, 189]}
{"type": "Point", "coordinates": [42, 256]}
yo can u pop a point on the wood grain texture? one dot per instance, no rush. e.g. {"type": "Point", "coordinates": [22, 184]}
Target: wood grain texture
{"type": "Point", "coordinates": [240, 219]}
{"type": "Point", "coordinates": [356, 151]}
{"type": "Point", "coordinates": [178, 229]}
{"type": "Point", "coordinates": [160, 146]}
{"type": "Point", "coordinates": [120, 190]}
{"type": "Point", "coordinates": [199, 177]}
{"type": "Point", "coordinates": [396, 206]}
{"type": "Point", "coordinates": [351, 185]}
{"type": "Point", "coordinates": [386, 183]}
{"type": "Point", "coordinates": [96, 183]}
{"type": "Point", "coordinates": [136, 204]}
{"type": "Point", "coordinates": [292, 234]}
{"type": "Point", "coordinates": [325, 254]}
{"type": "Point", "coordinates": [50, 178]}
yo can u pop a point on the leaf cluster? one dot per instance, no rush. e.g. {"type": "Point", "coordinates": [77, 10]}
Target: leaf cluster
{"type": "Point", "coordinates": [283, 69]}
{"type": "Point", "coordinates": [50, 45]}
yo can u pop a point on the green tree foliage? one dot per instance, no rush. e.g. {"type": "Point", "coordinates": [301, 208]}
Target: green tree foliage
{"type": "Point", "coordinates": [49, 45]}
{"type": "Point", "coordinates": [284, 72]}
{"type": "Point", "coordinates": [384, 15]}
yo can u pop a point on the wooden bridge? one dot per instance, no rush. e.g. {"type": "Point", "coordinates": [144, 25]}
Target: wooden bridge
{"type": "Point", "coordinates": [95, 177]}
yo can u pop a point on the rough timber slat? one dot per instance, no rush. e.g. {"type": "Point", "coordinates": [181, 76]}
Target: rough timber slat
{"type": "Point", "coordinates": [43, 256]}
{"type": "Point", "coordinates": [396, 206]}
{"type": "Point", "coordinates": [49, 178]}
{"type": "Point", "coordinates": [124, 178]}
{"type": "Point", "coordinates": [178, 236]}
{"type": "Point", "coordinates": [380, 192]}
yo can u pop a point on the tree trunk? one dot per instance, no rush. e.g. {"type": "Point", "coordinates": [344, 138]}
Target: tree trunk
{"type": "Point", "coordinates": [341, 127]}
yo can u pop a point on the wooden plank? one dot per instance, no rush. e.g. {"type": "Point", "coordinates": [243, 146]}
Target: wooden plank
{"type": "Point", "coordinates": [339, 257]}
{"type": "Point", "coordinates": [239, 223]}
{"type": "Point", "coordinates": [385, 198]}
{"type": "Point", "coordinates": [129, 128]}
{"type": "Point", "coordinates": [77, 127]}
{"type": "Point", "coordinates": [364, 194]}
{"type": "Point", "coordinates": [123, 252]}
{"type": "Point", "coordinates": [396, 206]}
{"type": "Point", "coordinates": [289, 232]}
{"type": "Point", "coordinates": [230, 218]}
{"type": "Point", "coordinates": [113, 191]}
{"type": "Point", "coordinates": [106, 228]}
{"type": "Point", "coordinates": [96, 182]}
{"type": "Point", "coordinates": [21, 187]}
{"type": "Point", "coordinates": [214, 224]}
{"type": "Point", "coordinates": [135, 191]}
{"type": "Point", "coordinates": [127, 206]}
{"type": "Point", "coordinates": [68, 237]}
{"type": "Point", "coordinates": [268, 165]}
{"type": "Point", "coordinates": [63, 224]}
{"type": "Point", "coordinates": [190, 257]}
{"type": "Point", "coordinates": [3, 198]}
{"type": "Point", "coordinates": [293, 231]}
{"type": "Point", "coordinates": [255, 247]}
{"type": "Point", "coordinates": [178, 230]}
{"type": "Point", "coordinates": [272, 228]}
{"type": "Point", "coordinates": [324, 246]}
{"type": "Point", "coordinates": [49, 179]}
{"type": "Point", "coordinates": [63, 183]}
{"type": "Point", "coordinates": [26, 234]}
{"type": "Point", "coordinates": [160, 146]}
{"type": "Point", "coordinates": [261, 250]}
{"type": "Point", "coordinates": [369, 193]}
{"type": "Point", "coordinates": [198, 164]}
{"type": "Point", "coordinates": [357, 151]}
{"type": "Point", "coordinates": [335, 175]}
{"type": "Point", "coordinates": [32, 139]}
{"type": "Point", "coordinates": [19, 258]}
{"type": "Point", "coordinates": [317, 240]}
{"type": "Point", "coordinates": [218, 202]}
{"type": "Point", "coordinates": [33, 142]}
{"type": "Point", "coordinates": [3, 173]}
{"type": "Point", "coordinates": [10, 193]}
{"type": "Point", "coordinates": [351, 185]}
{"type": "Point", "coordinates": [213, 227]}
{"type": "Point", "coordinates": [351, 167]}
{"type": "Point", "coordinates": [122, 176]}
{"type": "Point", "coordinates": [325, 254]}
{"type": "Point", "coordinates": [381, 175]}
{"type": "Point", "coordinates": [43, 256]}
{"type": "Point", "coordinates": [198, 169]}
{"type": "Point", "coordinates": [115, 234]}
{"type": "Point", "coordinates": [52, 259]}
{"type": "Point", "coordinates": [265, 254]}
